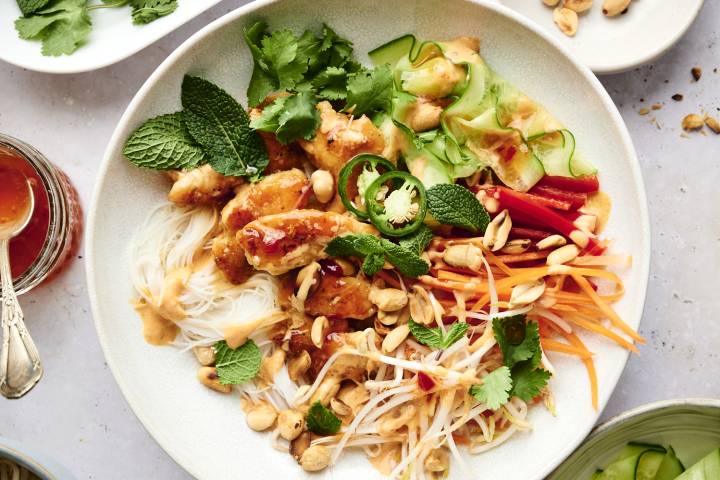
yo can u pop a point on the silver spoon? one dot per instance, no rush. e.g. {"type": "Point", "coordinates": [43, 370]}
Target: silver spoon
{"type": "Point", "coordinates": [20, 367]}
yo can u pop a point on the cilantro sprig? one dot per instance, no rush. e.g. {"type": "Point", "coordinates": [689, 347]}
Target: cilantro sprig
{"type": "Point", "coordinates": [310, 69]}
{"type": "Point", "coordinates": [239, 365]}
{"type": "Point", "coordinates": [375, 251]}
{"type": "Point", "coordinates": [436, 338]}
{"type": "Point", "coordinates": [321, 420]}
{"type": "Point", "coordinates": [521, 376]}
{"type": "Point", "coordinates": [63, 26]}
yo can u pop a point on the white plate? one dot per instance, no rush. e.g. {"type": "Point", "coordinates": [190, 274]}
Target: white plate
{"type": "Point", "coordinates": [113, 38]}
{"type": "Point", "coordinates": [612, 45]}
{"type": "Point", "coordinates": [206, 432]}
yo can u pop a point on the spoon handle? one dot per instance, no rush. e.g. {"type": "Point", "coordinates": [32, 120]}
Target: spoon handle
{"type": "Point", "coordinates": [20, 367]}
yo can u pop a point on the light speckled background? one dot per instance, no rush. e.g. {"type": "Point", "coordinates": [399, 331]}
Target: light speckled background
{"type": "Point", "coordinates": [77, 413]}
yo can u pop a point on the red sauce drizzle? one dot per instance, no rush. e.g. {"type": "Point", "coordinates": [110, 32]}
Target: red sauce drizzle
{"type": "Point", "coordinates": [26, 247]}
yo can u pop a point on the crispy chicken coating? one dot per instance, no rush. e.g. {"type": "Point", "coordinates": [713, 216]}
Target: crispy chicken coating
{"type": "Point", "coordinates": [201, 185]}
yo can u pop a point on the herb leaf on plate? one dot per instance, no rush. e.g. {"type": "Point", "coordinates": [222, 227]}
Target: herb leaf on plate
{"type": "Point", "coordinates": [239, 365]}
{"type": "Point", "coordinates": [220, 125]}
{"type": "Point", "coordinates": [369, 90]}
{"type": "Point", "coordinates": [62, 27]}
{"type": "Point", "coordinates": [28, 7]}
{"type": "Point", "coordinates": [163, 143]}
{"type": "Point", "coordinates": [373, 249]}
{"type": "Point", "coordinates": [417, 241]}
{"type": "Point", "coordinates": [495, 389]}
{"type": "Point", "coordinates": [145, 11]}
{"type": "Point", "coordinates": [434, 337]}
{"type": "Point", "coordinates": [455, 205]}
{"type": "Point", "coordinates": [321, 420]}
{"type": "Point", "coordinates": [290, 118]}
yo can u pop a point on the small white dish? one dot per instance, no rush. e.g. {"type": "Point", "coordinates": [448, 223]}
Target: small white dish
{"type": "Point", "coordinates": [113, 38]}
{"type": "Point", "coordinates": [206, 432]}
{"type": "Point", "coordinates": [613, 45]}
{"type": "Point", "coordinates": [32, 460]}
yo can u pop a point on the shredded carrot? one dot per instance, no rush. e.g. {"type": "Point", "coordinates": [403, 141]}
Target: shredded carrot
{"type": "Point", "coordinates": [389, 279]}
{"type": "Point", "coordinates": [523, 257]}
{"type": "Point", "coordinates": [597, 328]}
{"type": "Point", "coordinates": [614, 317]}
{"type": "Point", "coordinates": [447, 275]}
{"type": "Point", "coordinates": [553, 346]}
{"type": "Point", "coordinates": [589, 366]}
{"type": "Point", "coordinates": [495, 260]}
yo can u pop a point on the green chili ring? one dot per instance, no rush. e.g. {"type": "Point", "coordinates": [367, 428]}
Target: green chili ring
{"type": "Point", "coordinates": [347, 171]}
{"type": "Point", "coordinates": [375, 210]}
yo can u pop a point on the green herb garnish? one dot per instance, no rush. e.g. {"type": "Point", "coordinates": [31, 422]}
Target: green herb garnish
{"type": "Point", "coordinates": [30, 6]}
{"type": "Point", "coordinates": [455, 205]}
{"type": "Point", "coordinates": [239, 365]}
{"type": "Point", "coordinates": [495, 389]}
{"type": "Point", "coordinates": [375, 251]}
{"type": "Point", "coordinates": [290, 118]}
{"type": "Point", "coordinates": [434, 337]}
{"type": "Point", "coordinates": [163, 143]}
{"type": "Point", "coordinates": [220, 125]}
{"type": "Point", "coordinates": [370, 90]}
{"type": "Point", "coordinates": [418, 241]}
{"type": "Point", "coordinates": [321, 420]}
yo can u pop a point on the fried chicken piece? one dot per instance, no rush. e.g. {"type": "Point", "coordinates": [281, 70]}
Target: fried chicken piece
{"type": "Point", "coordinates": [201, 185]}
{"type": "Point", "coordinates": [282, 242]}
{"type": "Point", "coordinates": [276, 193]}
{"type": "Point", "coordinates": [282, 157]}
{"type": "Point", "coordinates": [341, 296]}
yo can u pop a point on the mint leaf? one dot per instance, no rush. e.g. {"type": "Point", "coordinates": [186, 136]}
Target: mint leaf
{"type": "Point", "coordinates": [418, 241]}
{"type": "Point", "coordinates": [321, 420]}
{"type": "Point", "coordinates": [220, 125]}
{"type": "Point", "coordinates": [528, 381]}
{"type": "Point", "coordinates": [342, 247]}
{"type": "Point", "coordinates": [518, 340]}
{"type": "Point", "coordinates": [237, 366]}
{"type": "Point", "coordinates": [163, 143]}
{"type": "Point", "coordinates": [373, 263]}
{"type": "Point", "coordinates": [30, 6]}
{"type": "Point", "coordinates": [494, 392]}
{"type": "Point", "coordinates": [145, 11]}
{"type": "Point", "coordinates": [62, 27]}
{"type": "Point", "coordinates": [406, 261]}
{"type": "Point", "coordinates": [369, 90]}
{"type": "Point", "coordinates": [434, 337]}
{"type": "Point", "coordinates": [455, 205]}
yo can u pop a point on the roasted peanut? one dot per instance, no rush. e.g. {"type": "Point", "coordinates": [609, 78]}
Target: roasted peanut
{"type": "Point", "coordinates": [612, 8]}
{"type": "Point", "coordinates": [261, 417]}
{"type": "Point", "coordinates": [395, 338]}
{"type": "Point", "coordinates": [204, 355]}
{"type": "Point", "coordinates": [496, 233]}
{"type": "Point", "coordinates": [388, 299]}
{"type": "Point", "coordinates": [208, 376]}
{"type": "Point", "coordinates": [551, 3]}
{"type": "Point", "coordinates": [692, 122]}
{"type": "Point", "coordinates": [323, 185]}
{"type": "Point", "coordinates": [526, 293]}
{"type": "Point", "coordinates": [463, 256]}
{"type": "Point", "coordinates": [563, 255]}
{"type": "Point", "coordinates": [290, 424]}
{"type": "Point", "coordinates": [315, 458]}
{"type": "Point", "coordinates": [578, 6]}
{"type": "Point", "coordinates": [551, 242]}
{"type": "Point", "coordinates": [299, 445]}
{"type": "Point", "coordinates": [307, 280]}
{"type": "Point", "coordinates": [299, 365]}
{"type": "Point", "coordinates": [517, 246]}
{"type": "Point", "coordinates": [317, 331]}
{"type": "Point", "coordinates": [421, 309]}
{"type": "Point", "coordinates": [566, 20]}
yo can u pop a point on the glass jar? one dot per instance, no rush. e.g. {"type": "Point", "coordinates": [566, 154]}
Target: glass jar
{"type": "Point", "coordinates": [63, 214]}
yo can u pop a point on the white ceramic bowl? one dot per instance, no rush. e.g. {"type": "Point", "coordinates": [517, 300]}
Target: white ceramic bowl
{"type": "Point", "coordinates": [206, 432]}
{"type": "Point", "coordinates": [691, 426]}
{"type": "Point", "coordinates": [612, 45]}
{"type": "Point", "coordinates": [30, 459]}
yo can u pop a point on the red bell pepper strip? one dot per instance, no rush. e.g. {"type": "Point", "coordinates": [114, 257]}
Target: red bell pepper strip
{"type": "Point", "coordinates": [517, 202]}
{"type": "Point", "coordinates": [531, 233]}
{"type": "Point", "coordinates": [555, 203]}
{"type": "Point", "coordinates": [575, 199]}
{"type": "Point", "coordinates": [586, 184]}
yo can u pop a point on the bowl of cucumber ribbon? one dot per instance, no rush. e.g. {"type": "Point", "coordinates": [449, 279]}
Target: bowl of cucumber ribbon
{"type": "Point", "coordinates": [669, 440]}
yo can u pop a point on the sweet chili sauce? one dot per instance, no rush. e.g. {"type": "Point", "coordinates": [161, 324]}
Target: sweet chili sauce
{"type": "Point", "coordinates": [26, 247]}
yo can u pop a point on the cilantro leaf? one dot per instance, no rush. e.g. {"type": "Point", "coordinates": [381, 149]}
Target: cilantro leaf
{"type": "Point", "coordinates": [495, 389]}
{"type": "Point", "coordinates": [289, 118]}
{"type": "Point", "coordinates": [434, 337]}
{"type": "Point", "coordinates": [220, 125]}
{"type": "Point", "coordinates": [237, 366]}
{"type": "Point", "coordinates": [30, 6]}
{"type": "Point", "coordinates": [528, 381]}
{"type": "Point", "coordinates": [337, 51]}
{"type": "Point", "coordinates": [330, 84]}
{"type": "Point", "coordinates": [418, 241]}
{"type": "Point", "coordinates": [455, 205]}
{"type": "Point", "coordinates": [62, 27]}
{"type": "Point", "coordinates": [163, 143]}
{"type": "Point", "coordinates": [145, 11]}
{"type": "Point", "coordinates": [406, 261]}
{"type": "Point", "coordinates": [518, 340]}
{"type": "Point", "coordinates": [321, 420]}
{"type": "Point", "coordinates": [262, 82]}
{"type": "Point", "coordinates": [279, 50]}
{"type": "Point", "coordinates": [369, 90]}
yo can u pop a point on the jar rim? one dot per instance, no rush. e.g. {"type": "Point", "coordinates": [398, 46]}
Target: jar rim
{"type": "Point", "coordinates": [59, 212]}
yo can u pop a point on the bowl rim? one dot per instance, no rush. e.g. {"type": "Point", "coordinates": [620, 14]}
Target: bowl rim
{"type": "Point", "coordinates": [641, 264]}
{"type": "Point", "coordinates": [17, 452]}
